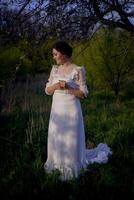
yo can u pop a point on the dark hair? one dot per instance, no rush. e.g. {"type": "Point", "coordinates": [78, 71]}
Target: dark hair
{"type": "Point", "coordinates": [63, 48]}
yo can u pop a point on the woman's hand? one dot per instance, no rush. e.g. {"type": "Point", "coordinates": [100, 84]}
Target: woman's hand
{"type": "Point", "coordinates": [62, 84]}
{"type": "Point", "coordinates": [52, 88]}
{"type": "Point", "coordinates": [57, 86]}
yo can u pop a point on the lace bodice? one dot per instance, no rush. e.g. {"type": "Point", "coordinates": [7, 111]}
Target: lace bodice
{"type": "Point", "coordinates": [75, 79]}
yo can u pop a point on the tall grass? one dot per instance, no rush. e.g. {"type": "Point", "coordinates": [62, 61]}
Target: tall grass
{"type": "Point", "coordinates": [23, 145]}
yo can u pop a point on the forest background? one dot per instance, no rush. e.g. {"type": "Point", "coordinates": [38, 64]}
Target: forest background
{"type": "Point", "coordinates": [102, 36]}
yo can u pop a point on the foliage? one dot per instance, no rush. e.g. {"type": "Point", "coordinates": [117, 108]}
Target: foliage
{"type": "Point", "coordinates": [108, 58]}
{"type": "Point", "coordinates": [25, 67]}
{"type": "Point", "coordinates": [9, 59]}
{"type": "Point", "coordinates": [23, 58]}
{"type": "Point", "coordinates": [38, 53]}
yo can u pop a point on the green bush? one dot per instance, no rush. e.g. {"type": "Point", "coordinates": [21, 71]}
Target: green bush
{"type": "Point", "coordinates": [25, 68]}
{"type": "Point", "coordinates": [129, 90]}
{"type": "Point", "coordinates": [9, 61]}
{"type": "Point", "coordinates": [38, 54]}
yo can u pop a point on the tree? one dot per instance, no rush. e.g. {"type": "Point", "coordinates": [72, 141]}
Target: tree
{"type": "Point", "coordinates": [111, 56]}
{"type": "Point", "coordinates": [80, 18]}
{"type": "Point", "coordinates": [114, 12]}
{"type": "Point", "coordinates": [70, 19]}
{"type": "Point", "coordinates": [21, 19]}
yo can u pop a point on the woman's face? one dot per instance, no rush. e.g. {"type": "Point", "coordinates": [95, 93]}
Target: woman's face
{"type": "Point", "coordinates": [58, 57]}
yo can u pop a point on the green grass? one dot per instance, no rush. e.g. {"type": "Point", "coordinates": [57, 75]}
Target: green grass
{"type": "Point", "coordinates": [23, 146]}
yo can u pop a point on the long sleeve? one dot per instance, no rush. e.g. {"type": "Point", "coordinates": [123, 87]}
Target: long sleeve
{"type": "Point", "coordinates": [50, 80]}
{"type": "Point", "coordinates": [82, 80]}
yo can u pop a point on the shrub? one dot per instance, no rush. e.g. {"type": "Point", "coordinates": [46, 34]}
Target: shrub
{"type": "Point", "coordinates": [9, 59]}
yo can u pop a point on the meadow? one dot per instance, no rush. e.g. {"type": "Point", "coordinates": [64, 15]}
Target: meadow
{"type": "Point", "coordinates": [24, 121]}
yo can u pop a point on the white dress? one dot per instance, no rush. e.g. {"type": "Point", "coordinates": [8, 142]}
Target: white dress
{"type": "Point", "coordinates": [66, 149]}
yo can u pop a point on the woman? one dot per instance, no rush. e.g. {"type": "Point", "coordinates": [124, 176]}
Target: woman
{"type": "Point", "coordinates": [66, 136]}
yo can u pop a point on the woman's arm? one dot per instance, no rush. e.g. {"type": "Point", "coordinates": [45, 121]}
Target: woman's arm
{"type": "Point", "coordinates": [82, 82]}
{"type": "Point", "coordinates": [82, 91]}
{"type": "Point", "coordinates": [76, 92]}
{"type": "Point", "coordinates": [70, 90]}
{"type": "Point", "coordinates": [52, 88]}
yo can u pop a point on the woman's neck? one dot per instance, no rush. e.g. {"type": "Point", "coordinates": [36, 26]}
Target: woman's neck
{"type": "Point", "coordinates": [66, 63]}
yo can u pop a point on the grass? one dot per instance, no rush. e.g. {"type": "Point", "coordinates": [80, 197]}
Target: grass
{"type": "Point", "coordinates": [23, 146]}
